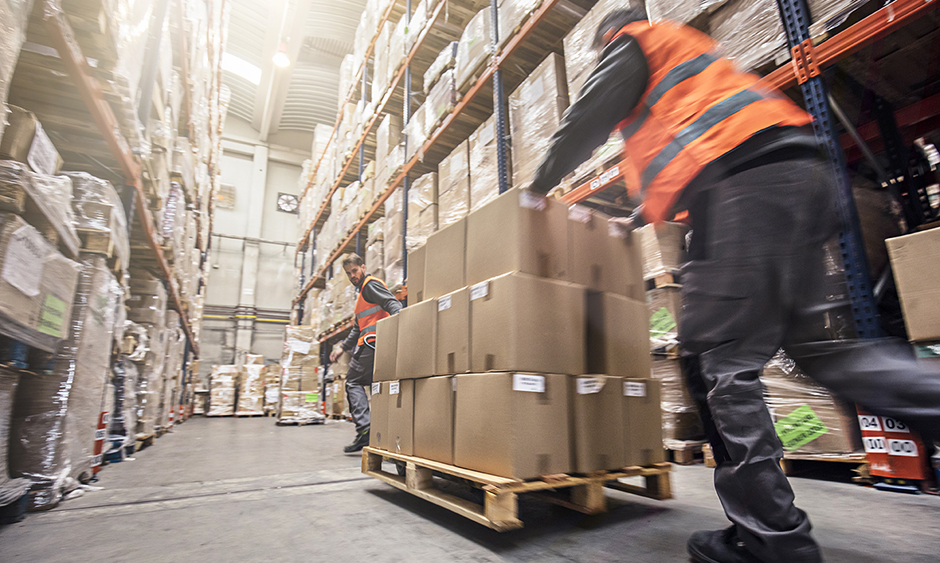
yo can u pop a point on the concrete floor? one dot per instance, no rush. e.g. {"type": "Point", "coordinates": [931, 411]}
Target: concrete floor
{"type": "Point", "coordinates": [245, 490]}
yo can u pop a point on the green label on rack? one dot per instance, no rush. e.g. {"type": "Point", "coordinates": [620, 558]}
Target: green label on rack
{"type": "Point", "coordinates": [799, 428]}
{"type": "Point", "coordinates": [52, 317]}
{"type": "Point", "coordinates": [313, 397]}
{"type": "Point", "coordinates": [662, 323]}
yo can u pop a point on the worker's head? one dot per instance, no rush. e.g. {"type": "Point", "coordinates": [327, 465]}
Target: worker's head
{"type": "Point", "coordinates": [355, 269]}
{"type": "Point", "coordinates": [613, 22]}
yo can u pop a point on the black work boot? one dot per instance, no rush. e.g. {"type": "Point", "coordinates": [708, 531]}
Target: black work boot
{"type": "Point", "coordinates": [361, 441]}
{"type": "Point", "coordinates": [719, 546]}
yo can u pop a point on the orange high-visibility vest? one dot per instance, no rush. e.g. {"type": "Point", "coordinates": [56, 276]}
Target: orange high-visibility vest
{"type": "Point", "coordinates": [368, 314]}
{"type": "Point", "coordinates": [697, 107]}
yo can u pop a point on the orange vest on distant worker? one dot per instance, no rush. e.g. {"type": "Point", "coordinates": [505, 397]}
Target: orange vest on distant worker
{"type": "Point", "coordinates": [368, 314]}
{"type": "Point", "coordinates": [697, 107]}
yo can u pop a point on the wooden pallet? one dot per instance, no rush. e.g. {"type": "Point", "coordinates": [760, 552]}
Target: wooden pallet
{"type": "Point", "coordinates": [300, 422]}
{"type": "Point", "coordinates": [249, 414]}
{"type": "Point", "coordinates": [685, 452]}
{"type": "Point", "coordinates": [665, 279]}
{"type": "Point", "coordinates": [499, 510]}
{"type": "Point", "coordinates": [862, 467]}
{"type": "Point", "coordinates": [144, 441]}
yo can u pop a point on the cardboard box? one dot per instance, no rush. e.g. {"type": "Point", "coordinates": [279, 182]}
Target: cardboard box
{"type": "Point", "coordinates": [401, 413]}
{"type": "Point", "coordinates": [644, 435]}
{"type": "Point", "coordinates": [446, 259]}
{"type": "Point", "coordinates": [417, 332]}
{"type": "Point", "coordinates": [518, 232]}
{"type": "Point", "coordinates": [417, 260]}
{"type": "Point", "coordinates": [680, 415]}
{"type": "Point", "coordinates": [520, 322]}
{"type": "Point", "coordinates": [378, 430]}
{"type": "Point", "coordinates": [434, 418]}
{"type": "Point", "coordinates": [602, 258]}
{"type": "Point", "coordinates": [597, 423]}
{"type": "Point", "coordinates": [25, 141]}
{"type": "Point", "coordinates": [916, 276]}
{"type": "Point", "coordinates": [626, 261]}
{"type": "Point", "coordinates": [386, 349]}
{"type": "Point", "coordinates": [513, 425]}
{"type": "Point", "coordinates": [617, 335]}
{"type": "Point", "coordinates": [453, 333]}
{"type": "Point", "coordinates": [663, 247]}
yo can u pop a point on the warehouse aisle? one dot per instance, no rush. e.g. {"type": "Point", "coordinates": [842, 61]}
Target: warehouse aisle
{"type": "Point", "coordinates": [245, 490]}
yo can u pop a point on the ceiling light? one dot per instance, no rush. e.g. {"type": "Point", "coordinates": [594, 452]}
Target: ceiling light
{"type": "Point", "coordinates": [280, 58]}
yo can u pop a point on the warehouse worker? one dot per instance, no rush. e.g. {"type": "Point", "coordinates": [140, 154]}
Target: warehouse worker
{"type": "Point", "coordinates": [374, 303]}
{"type": "Point", "coordinates": [703, 137]}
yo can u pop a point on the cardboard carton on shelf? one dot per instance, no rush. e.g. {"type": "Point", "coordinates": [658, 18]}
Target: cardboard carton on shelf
{"type": "Point", "coordinates": [916, 277]}
{"type": "Point", "coordinates": [453, 333]}
{"type": "Point", "coordinates": [445, 269]}
{"type": "Point", "coordinates": [520, 322]}
{"type": "Point", "coordinates": [513, 425]}
{"type": "Point", "coordinates": [663, 247]}
{"type": "Point", "coordinates": [597, 423]}
{"type": "Point", "coordinates": [401, 413]}
{"type": "Point", "coordinates": [24, 140]}
{"type": "Point", "coordinates": [417, 264]}
{"type": "Point", "coordinates": [386, 349]}
{"type": "Point", "coordinates": [602, 258]}
{"type": "Point", "coordinates": [434, 418]}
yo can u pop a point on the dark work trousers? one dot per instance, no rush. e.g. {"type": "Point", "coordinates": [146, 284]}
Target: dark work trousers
{"type": "Point", "coordinates": [755, 283]}
{"type": "Point", "coordinates": [358, 378]}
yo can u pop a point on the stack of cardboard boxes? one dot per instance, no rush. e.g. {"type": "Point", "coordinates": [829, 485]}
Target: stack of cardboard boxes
{"type": "Point", "coordinates": [300, 376]}
{"type": "Point", "coordinates": [271, 374]}
{"type": "Point", "coordinates": [222, 384]}
{"type": "Point", "coordinates": [148, 308]}
{"type": "Point", "coordinates": [538, 360]}
{"type": "Point", "coordinates": [251, 386]}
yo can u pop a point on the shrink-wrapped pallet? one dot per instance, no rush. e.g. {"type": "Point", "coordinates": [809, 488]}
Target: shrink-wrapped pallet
{"type": "Point", "coordinates": [222, 383]}
{"type": "Point", "coordinates": [44, 200]}
{"type": "Point", "coordinates": [681, 420]}
{"type": "Point", "coordinates": [98, 208]}
{"type": "Point", "coordinates": [122, 430]}
{"type": "Point", "coordinates": [251, 390]}
{"type": "Point", "coordinates": [440, 102]}
{"type": "Point", "coordinates": [416, 133]}
{"type": "Point", "coordinates": [394, 275]}
{"type": "Point", "coordinates": [422, 210]}
{"type": "Point", "coordinates": [14, 17]}
{"type": "Point", "coordinates": [580, 54]}
{"type": "Point", "coordinates": [663, 248]}
{"type": "Point", "coordinates": [445, 60]}
{"type": "Point", "coordinates": [484, 171]}
{"type": "Point", "coordinates": [11, 489]}
{"type": "Point", "coordinates": [474, 48]}
{"type": "Point", "coordinates": [453, 175]}
{"type": "Point", "coordinates": [680, 11]}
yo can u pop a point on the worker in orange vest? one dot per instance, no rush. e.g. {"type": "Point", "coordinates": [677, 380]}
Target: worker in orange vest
{"type": "Point", "coordinates": [704, 137]}
{"type": "Point", "coordinates": [373, 303]}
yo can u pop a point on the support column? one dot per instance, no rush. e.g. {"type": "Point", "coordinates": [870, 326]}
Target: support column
{"type": "Point", "coordinates": [245, 312]}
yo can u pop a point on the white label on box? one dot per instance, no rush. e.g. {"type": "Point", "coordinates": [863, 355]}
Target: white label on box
{"type": "Point", "coordinates": [335, 388]}
{"type": "Point", "coordinates": [867, 422]}
{"type": "Point", "coordinates": [536, 89]}
{"type": "Point", "coordinates": [528, 383]}
{"type": "Point", "coordinates": [904, 448]}
{"type": "Point", "coordinates": [393, 388]}
{"type": "Point", "coordinates": [634, 389]}
{"type": "Point", "coordinates": [443, 303]}
{"type": "Point", "coordinates": [100, 434]}
{"type": "Point", "coordinates": [894, 425]}
{"type": "Point", "coordinates": [579, 213]}
{"type": "Point", "coordinates": [42, 156]}
{"type": "Point", "coordinates": [299, 346]}
{"type": "Point", "coordinates": [377, 388]}
{"type": "Point", "coordinates": [874, 445]}
{"type": "Point", "coordinates": [488, 133]}
{"type": "Point", "coordinates": [589, 385]}
{"type": "Point", "coordinates": [479, 291]}
{"type": "Point", "coordinates": [23, 264]}
{"type": "Point", "coordinates": [530, 200]}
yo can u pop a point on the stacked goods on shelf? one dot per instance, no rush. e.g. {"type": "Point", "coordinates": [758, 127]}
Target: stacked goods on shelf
{"type": "Point", "coordinates": [453, 186]}
{"type": "Point", "coordinates": [394, 219]}
{"type": "Point", "coordinates": [222, 382]}
{"type": "Point", "coordinates": [444, 61]}
{"type": "Point", "coordinates": [473, 49]}
{"type": "Point", "coordinates": [375, 250]}
{"type": "Point", "coordinates": [914, 277]}
{"type": "Point", "coordinates": [271, 376]}
{"type": "Point", "coordinates": [808, 419]}
{"type": "Point", "coordinates": [334, 389]}
{"type": "Point", "coordinates": [172, 380]}
{"type": "Point", "coordinates": [422, 210]}
{"type": "Point", "coordinates": [15, 17]}
{"type": "Point", "coordinates": [300, 376]}
{"type": "Point", "coordinates": [56, 411]}
{"type": "Point", "coordinates": [388, 157]}
{"type": "Point", "coordinates": [147, 307]}
{"type": "Point", "coordinates": [535, 111]}
{"type": "Point", "coordinates": [663, 252]}
{"type": "Point", "coordinates": [523, 307]}
{"type": "Point", "coordinates": [122, 429]}
{"type": "Point", "coordinates": [251, 386]}
{"type": "Point", "coordinates": [11, 489]}
{"type": "Point", "coordinates": [484, 167]}
{"type": "Point", "coordinates": [99, 217]}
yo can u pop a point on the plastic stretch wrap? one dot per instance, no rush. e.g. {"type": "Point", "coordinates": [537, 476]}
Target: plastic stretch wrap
{"type": "Point", "coordinates": [380, 63]}
{"type": "Point", "coordinates": [445, 60]}
{"type": "Point", "coordinates": [416, 24]}
{"type": "Point", "coordinates": [681, 420]}
{"type": "Point", "coordinates": [184, 165]}
{"type": "Point", "coordinates": [393, 231]}
{"type": "Point", "coordinates": [484, 171]}
{"type": "Point", "coordinates": [300, 374]}
{"type": "Point", "coordinates": [150, 381]}
{"type": "Point", "coordinates": [122, 431]}
{"type": "Point", "coordinates": [580, 56]}
{"type": "Point", "coordinates": [512, 14]}
{"type": "Point", "coordinates": [37, 285]}
{"type": "Point", "coordinates": [680, 11]}
{"type": "Point", "coordinates": [422, 210]}
{"type": "Point", "coordinates": [98, 208]}
{"type": "Point", "coordinates": [416, 132]}
{"type": "Point", "coordinates": [388, 137]}
{"type": "Point", "coordinates": [535, 110]}
{"type": "Point", "coordinates": [172, 371]}
{"type": "Point", "coordinates": [376, 230]}
{"type": "Point", "coordinates": [172, 225]}
{"type": "Point", "coordinates": [394, 274]}
{"type": "Point", "coordinates": [10, 489]}
{"type": "Point", "coordinates": [665, 307]}
{"type": "Point", "coordinates": [148, 305]}
{"type": "Point", "coordinates": [222, 390]}
{"type": "Point", "coordinates": [663, 247]}
{"type": "Point", "coordinates": [300, 405]}
{"type": "Point", "coordinates": [454, 186]}
{"type": "Point", "coordinates": [375, 259]}
{"type": "Point", "coordinates": [14, 16]}
{"type": "Point", "coordinates": [347, 71]}
{"type": "Point", "coordinates": [440, 101]}
{"type": "Point", "coordinates": [396, 49]}
{"type": "Point", "coordinates": [474, 47]}
{"type": "Point", "coordinates": [251, 390]}
{"type": "Point", "coordinates": [807, 417]}
{"type": "Point", "coordinates": [20, 189]}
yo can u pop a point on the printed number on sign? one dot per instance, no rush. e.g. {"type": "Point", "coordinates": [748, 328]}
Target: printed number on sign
{"type": "Point", "coordinates": [905, 448]}
{"type": "Point", "coordinates": [874, 445]}
{"type": "Point", "coordinates": [869, 423]}
{"type": "Point", "coordinates": [894, 425]}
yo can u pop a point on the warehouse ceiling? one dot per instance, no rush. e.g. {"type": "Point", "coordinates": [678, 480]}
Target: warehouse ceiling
{"type": "Point", "coordinates": [317, 34]}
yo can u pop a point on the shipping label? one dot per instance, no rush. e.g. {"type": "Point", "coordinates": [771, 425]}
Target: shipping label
{"type": "Point", "coordinates": [799, 428]}
{"type": "Point", "coordinates": [634, 389]}
{"type": "Point", "coordinates": [377, 388]}
{"type": "Point", "coordinates": [528, 383]}
{"type": "Point", "coordinates": [443, 303]}
{"type": "Point", "coordinates": [312, 398]}
{"type": "Point", "coordinates": [479, 291]}
{"type": "Point", "coordinates": [24, 261]}
{"type": "Point", "coordinates": [299, 346]}
{"type": "Point", "coordinates": [393, 387]}
{"type": "Point", "coordinates": [589, 385]}
{"type": "Point", "coordinates": [52, 318]}
{"type": "Point", "coordinates": [42, 156]}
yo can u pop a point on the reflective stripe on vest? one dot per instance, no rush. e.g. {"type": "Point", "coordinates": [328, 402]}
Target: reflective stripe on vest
{"type": "Point", "coordinates": [697, 107]}
{"type": "Point", "coordinates": [367, 314]}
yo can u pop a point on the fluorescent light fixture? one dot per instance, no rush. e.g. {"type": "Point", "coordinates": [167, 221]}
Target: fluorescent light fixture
{"type": "Point", "coordinates": [240, 67]}
{"type": "Point", "coordinates": [280, 58]}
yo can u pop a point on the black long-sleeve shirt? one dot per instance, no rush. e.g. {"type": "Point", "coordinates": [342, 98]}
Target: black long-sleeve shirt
{"type": "Point", "coordinates": [377, 294]}
{"type": "Point", "coordinates": [611, 92]}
